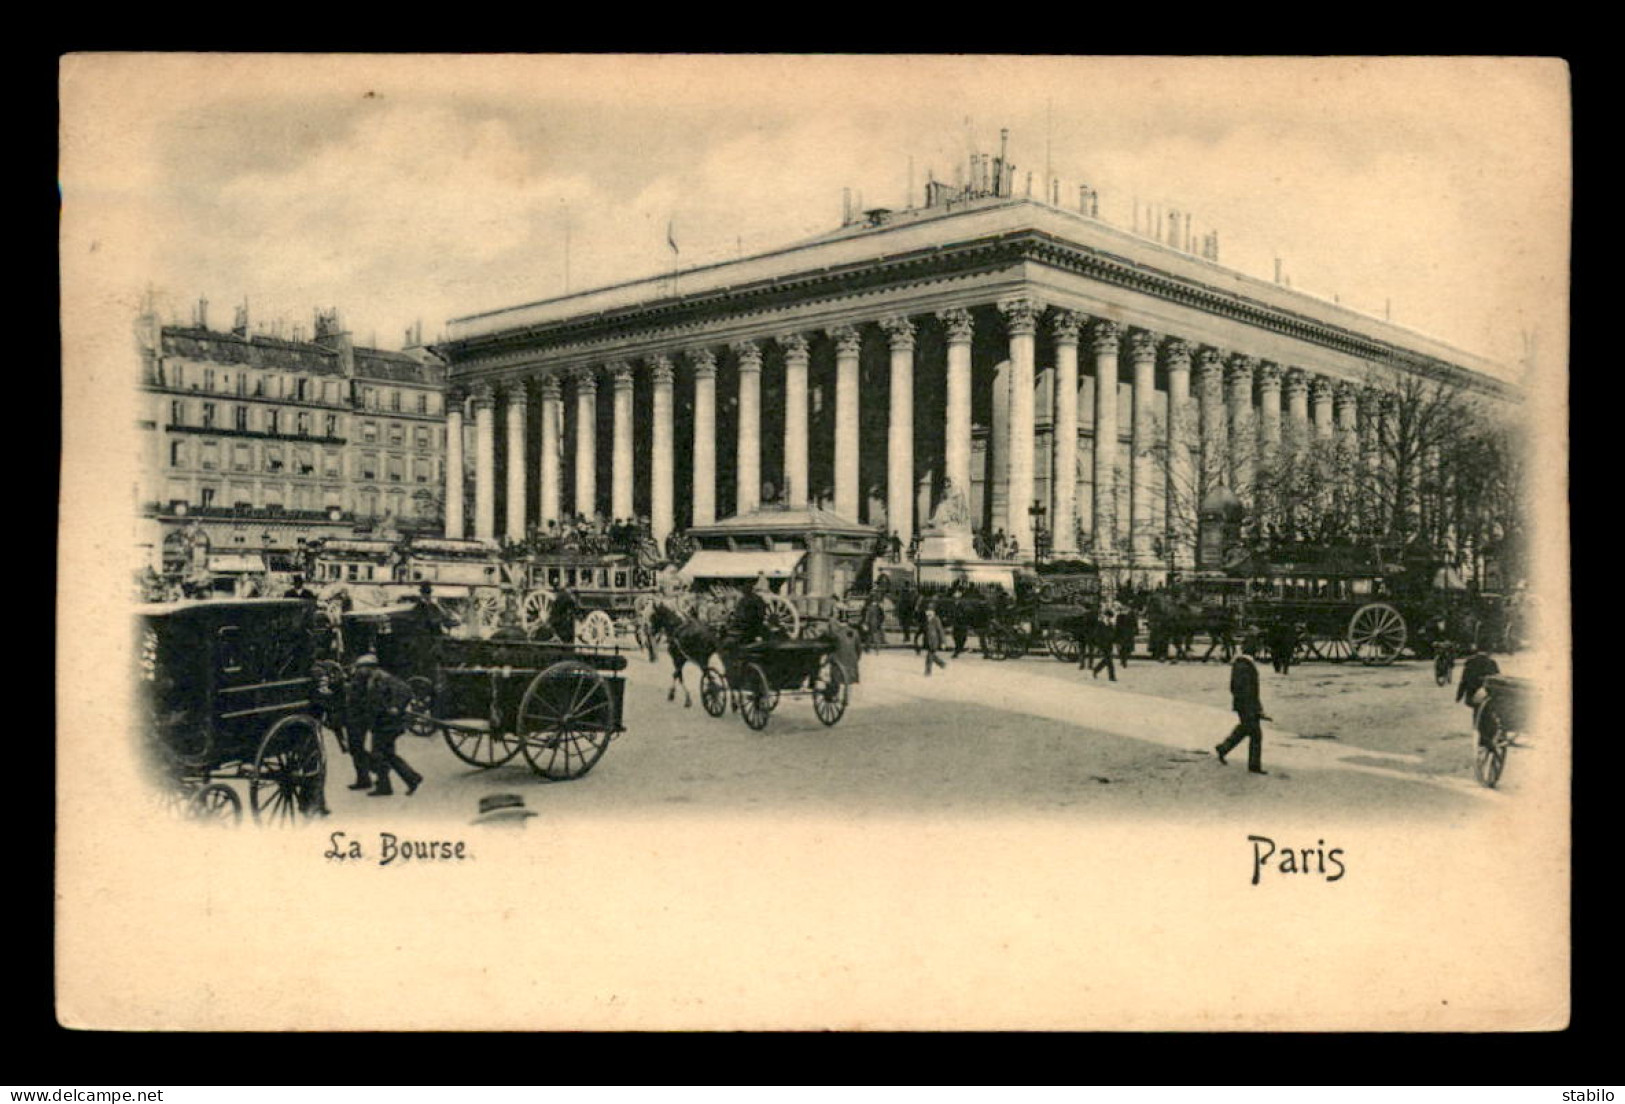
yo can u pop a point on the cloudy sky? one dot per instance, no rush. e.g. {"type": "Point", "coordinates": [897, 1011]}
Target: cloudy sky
{"type": "Point", "coordinates": [411, 188]}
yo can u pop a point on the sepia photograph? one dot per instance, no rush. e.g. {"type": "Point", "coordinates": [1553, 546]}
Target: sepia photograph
{"type": "Point", "coordinates": [763, 542]}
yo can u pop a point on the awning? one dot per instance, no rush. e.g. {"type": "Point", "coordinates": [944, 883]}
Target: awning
{"type": "Point", "coordinates": [717, 564]}
{"type": "Point", "coordinates": [239, 562]}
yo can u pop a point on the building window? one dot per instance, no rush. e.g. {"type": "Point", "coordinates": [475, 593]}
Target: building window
{"type": "Point", "coordinates": [369, 398]}
{"type": "Point", "coordinates": [303, 389]}
{"type": "Point", "coordinates": [207, 496]}
{"type": "Point", "coordinates": [273, 457]}
{"type": "Point", "coordinates": [239, 416]}
{"type": "Point", "coordinates": [307, 462]}
{"type": "Point", "coordinates": [420, 437]}
{"type": "Point", "coordinates": [330, 465]}
{"type": "Point", "coordinates": [259, 387]}
{"type": "Point", "coordinates": [397, 435]}
{"type": "Point", "coordinates": [208, 379]}
{"type": "Point", "coordinates": [420, 471]}
{"type": "Point", "coordinates": [273, 421]}
{"type": "Point", "coordinates": [177, 454]}
{"type": "Point", "coordinates": [303, 421]}
{"type": "Point", "coordinates": [211, 456]}
{"type": "Point", "coordinates": [240, 458]}
{"type": "Point", "coordinates": [423, 402]}
{"type": "Point", "coordinates": [332, 425]}
{"type": "Point", "coordinates": [369, 465]}
{"type": "Point", "coordinates": [242, 384]}
{"type": "Point", "coordinates": [208, 415]}
{"type": "Point", "coordinates": [177, 413]}
{"type": "Point", "coordinates": [397, 469]}
{"type": "Point", "coordinates": [369, 431]}
{"type": "Point", "coordinates": [395, 400]}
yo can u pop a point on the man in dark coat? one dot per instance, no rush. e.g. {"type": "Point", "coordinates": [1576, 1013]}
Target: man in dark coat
{"type": "Point", "coordinates": [1249, 707]}
{"type": "Point", "coordinates": [1479, 666]}
{"type": "Point", "coordinates": [958, 611]}
{"type": "Point", "coordinates": [299, 590]}
{"type": "Point", "coordinates": [561, 619]}
{"type": "Point", "coordinates": [1127, 628]}
{"type": "Point", "coordinates": [378, 704]}
{"type": "Point", "coordinates": [874, 623]}
{"type": "Point", "coordinates": [1283, 642]}
{"type": "Point", "coordinates": [748, 622]}
{"type": "Point", "coordinates": [931, 636]}
{"type": "Point", "coordinates": [907, 604]}
{"type": "Point", "coordinates": [1100, 641]}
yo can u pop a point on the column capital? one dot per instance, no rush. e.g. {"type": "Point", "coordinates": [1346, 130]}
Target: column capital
{"type": "Point", "coordinates": [704, 362]}
{"type": "Point", "coordinates": [1320, 389]}
{"type": "Point", "coordinates": [1065, 325]}
{"type": "Point", "coordinates": [552, 387]}
{"type": "Point", "coordinates": [1105, 334]}
{"type": "Point", "coordinates": [1370, 398]}
{"type": "Point", "coordinates": [621, 373]}
{"type": "Point", "coordinates": [485, 395]}
{"type": "Point", "coordinates": [1142, 345]}
{"type": "Point", "coordinates": [1269, 375]}
{"type": "Point", "coordinates": [1297, 381]}
{"type": "Point", "coordinates": [1178, 353]}
{"type": "Point", "coordinates": [958, 322]}
{"type": "Point", "coordinates": [847, 339]}
{"type": "Point", "coordinates": [1210, 362]}
{"type": "Point", "coordinates": [455, 396]}
{"type": "Point", "coordinates": [660, 369]}
{"type": "Point", "coordinates": [794, 346]}
{"type": "Point", "coordinates": [515, 392]}
{"type": "Point", "coordinates": [1346, 392]}
{"type": "Point", "coordinates": [1021, 315]}
{"type": "Point", "coordinates": [749, 355]}
{"type": "Point", "coordinates": [1240, 368]}
{"type": "Point", "coordinates": [585, 378]}
{"type": "Point", "coordinates": [899, 331]}
{"type": "Point", "coordinates": [1387, 404]}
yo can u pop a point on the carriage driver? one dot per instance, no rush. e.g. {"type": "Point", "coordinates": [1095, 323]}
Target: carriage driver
{"type": "Point", "coordinates": [561, 619]}
{"type": "Point", "coordinates": [748, 622]}
{"type": "Point", "coordinates": [378, 704]}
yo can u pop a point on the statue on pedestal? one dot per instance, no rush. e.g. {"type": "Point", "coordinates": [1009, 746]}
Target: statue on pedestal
{"type": "Point", "coordinates": [952, 514]}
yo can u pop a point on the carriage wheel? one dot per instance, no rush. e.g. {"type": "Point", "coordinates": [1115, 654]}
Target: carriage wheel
{"type": "Point", "coordinates": [756, 697]}
{"type": "Point", "coordinates": [1061, 644]}
{"type": "Point", "coordinates": [813, 630]}
{"type": "Point", "coordinates": [534, 608]}
{"type": "Point", "coordinates": [1336, 649]}
{"type": "Point", "coordinates": [830, 691]}
{"type": "Point", "coordinates": [781, 619]}
{"type": "Point", "coordinates": [1492, 746]}
{"type": "Point", "coordinates": [289, 778]}
{"type": "Point", "coordinates": [1377, 634]}
{"type": "Point", "coordinates": [422, 707]}
{"type": "Point", "coordinates": [485, 609]}
{"type": "Point", "coordinates": [596, 630]}
{"type": "Point", "coordinates": [565, 720]}
{"type": "Point", "coordinates": [480, 747]}
{"type": "Point", "coordinates": [714, 692]}
{"type": "Point", "coordinates": [216, 803]}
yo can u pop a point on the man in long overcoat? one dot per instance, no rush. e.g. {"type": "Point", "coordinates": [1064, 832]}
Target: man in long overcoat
{"type": "Point", "coordinates": [1249, 707]}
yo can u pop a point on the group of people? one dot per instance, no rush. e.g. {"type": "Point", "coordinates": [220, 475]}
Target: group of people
{"type": "Point", "coordinates": [588, 533]}
{"type": "Point", "coordinates": [995, 544]}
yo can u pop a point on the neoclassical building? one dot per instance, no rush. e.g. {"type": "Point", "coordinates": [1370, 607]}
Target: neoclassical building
{"type": "Point", "coordinates": [1036, 357]}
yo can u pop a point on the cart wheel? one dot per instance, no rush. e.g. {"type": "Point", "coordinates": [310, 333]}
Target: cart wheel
{"type": "Point", "coordinates": [480, 747]}
{"type": "Point", "coordinates": [1334, 649]}
{"type": "Point", "coordinates": [422, 707]}
{"type": "Point", "coordinates": [782, 620]}
{"type": "Point", "coordinates": [714, 692]}
{"type": "Point", "coordinates": [290, 773]}
{"type": "Point", "coordinates": [829, 691]}
{"type": "Point", "coordinates": [756, 697]}
{"type": "Point", "coordinates": [1377, 634]}
{"type": "Point", "coordinates": [565, 720]}
{"type": "Point", "coordinates": [596, 630]}
{"type": "Point", "coordinates": [813, 630]}
{"type": "Point", "coordinates": [535, 607]}
{"type": "Point", "coordinates": [1062, 644]}
{"type": "Point", "coordinates": [485, 611]}
{"type": "Point", "coordinates": [1492, 746]}
{"type": "Point", "coordinates": [216, 803]}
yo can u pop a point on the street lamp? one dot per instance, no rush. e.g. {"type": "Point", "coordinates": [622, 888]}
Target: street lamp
{"type": "Point", "coordinates": [1040, 535]}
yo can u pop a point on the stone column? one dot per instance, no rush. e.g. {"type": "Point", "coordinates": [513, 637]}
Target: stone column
{"type": "Point", "coordinates": [900, 430]}
{"type": "Point", "coordinates": [1320, 394]}
{"type": "Point", "coordinates": [454, 465]}
{"type": "Point", "coordinates": [1269, 407]}
{"type": "Point", "coordinates": [748, 464]}
{"type": "Point", "coordinates": [1181, 491]}
{"type": "Point", "coordinates": [1105, 339]}
{"type": "Point", "coordinates": [1347, 397]}
{"type": "Point", "coordinates": [1297, 406]}
{"type": "Point", "coordinates": [847, 343]}
{"type": "Point", "coordinates": [1210, 409]}
{"type": "Point", "coordinates": [705, 435]}
{"type": "Point", "coordinates": [795, 419]}
{"type": "Point", "coordinates": [552, 418]}
{"type": "Point", "coordinates": [1370, 503]}
{"type": "Point", "coordinates": [620, 500]}
{"type": "Point", "coordinates": [1064, 327]}
{"type": "Point", "coordinates": [586, 441]}
{"type": "Point", "coordinates": [485, 497]}
{"type": "Point", "coordinates": [959, 325]}
{"type": "Point", "coordinates": [517, 403]}
{"type": "Point", "coordinates": [1021, 321]}
{"type": "Point", "coordinates": [1243, 442]}
{"type": "Point", "coordinates": [1142, 460]}
{"type": "Point", "coordinates": [1387, 463]}
{"type": "Point", "coordinates": [660, 443]}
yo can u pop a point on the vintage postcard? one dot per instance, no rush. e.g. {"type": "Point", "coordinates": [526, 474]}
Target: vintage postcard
{"type": "Point", "coordinates": [814, 542]}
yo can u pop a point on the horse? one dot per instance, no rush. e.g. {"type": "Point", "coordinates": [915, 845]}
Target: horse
{"type": "Point", "coordinates": [688, 640]}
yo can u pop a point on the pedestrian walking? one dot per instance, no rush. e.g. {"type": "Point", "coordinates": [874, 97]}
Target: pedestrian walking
{"type": "Point", "coordinates": [1249, 707]}
{"type": "Point", "coordinates": [959, 615]}
{"type": "Point", "coordinates": [894, 545]}
{"type": "Point", "coordinates": [932, 636]}
{"type": "Point", "coordinates": [1101, 632]}
{"type": "Point", "coordinates": [1126, 628]}
{"type": "Point", "coordinates": [874, 620]}
{"type": "Point", "coordinates": [1283, 642]}
{"type": "Point", "coordinates": [380, 704]}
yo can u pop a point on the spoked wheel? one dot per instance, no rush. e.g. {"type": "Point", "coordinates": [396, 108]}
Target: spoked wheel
{"type": "Point", "coordinates": [1335, 649]}
{"type": "Point", "coordinates": [781, 619]}
{"type": "Point", "coordinates": [596, 630]}
{"type": "Point", "coordinates": [1492, 746]}
{"type": "Point", "coordinates": [813, 630]}
{"type": "Point", "coordinates": [422, 707]}
{"type": "Point", "coordinates": [486, 612]}
{"type": "Point", "coordinates": [1377, 634]}
{"type": "Point", "coordinates": [534, 608]}
{"type": "Point", "coordinates": [830, 691]}
{"type": "Point", "coordinates": [714, 692]}
{"type": "Point", "coordinates": [1061, 644]}
{"type": "Point", "coordinates": [484, 747]}
{"type": "Point", "coordinates": [756, 697]}
{"type": "Point", "coordinates": [290, 773]}
{"type": "Point", "coordinates": [216, 803]}
{"type": "Point", "coordinates": [566, 720]}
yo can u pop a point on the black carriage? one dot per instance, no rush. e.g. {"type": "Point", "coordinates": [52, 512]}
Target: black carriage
{"type": "Point", "coordinates": [558, 705]}
{"type": "Point", "coordinates": [758, 674]}
{"type": "Point", "coordinates": [227, 702]}
{"type": "Point", "coordinates": [1506, 711]}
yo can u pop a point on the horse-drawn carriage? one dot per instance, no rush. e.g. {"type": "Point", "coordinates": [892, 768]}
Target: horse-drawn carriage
{"type": "Point", "coordinates": [226, 702]}
{"type": "Point", "coordinates": [557, 704]}
{"type": "Point", "coordinates": [758, 674]}
{"type": "Point", "coordinates": [615, 591]}
{"type": "Point", "coordinates": [465, 576]}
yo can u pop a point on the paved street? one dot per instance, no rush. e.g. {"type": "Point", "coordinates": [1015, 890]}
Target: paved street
{"type": "Point", "coordinates": [1031, 737]}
